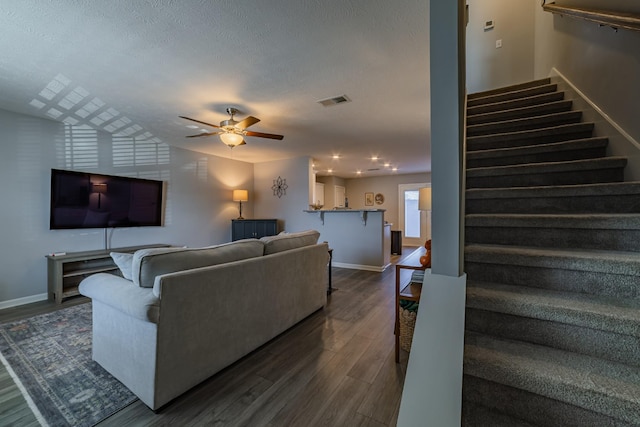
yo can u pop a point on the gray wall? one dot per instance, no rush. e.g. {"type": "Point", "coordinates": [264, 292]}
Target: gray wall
{"type": "Point", "coordinates": [602, 63]}
{"type": "Point", "coordinates": [288, 208]}
{"type": "Point", "coordinates": [514, 24]}
{"type": "Point", "coordinates": [198, 212]}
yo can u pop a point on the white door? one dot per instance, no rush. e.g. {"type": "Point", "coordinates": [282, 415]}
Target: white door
{"type": "Point", "coordinates": [414, 224]}
{"type": "Point", "coordinates": [340, 194]}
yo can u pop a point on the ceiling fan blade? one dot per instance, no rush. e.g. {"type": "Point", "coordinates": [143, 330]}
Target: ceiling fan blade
{"type": "Point", "coordinates": [198, 121]}
{"type": "Point", "coordinates": [203, 134]}
{"type": "Point", "coordinates": [263, 135]}
{"type": "Point", "coordinates": [249, 121]}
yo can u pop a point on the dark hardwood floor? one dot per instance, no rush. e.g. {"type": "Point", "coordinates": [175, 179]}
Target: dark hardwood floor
{"type": "Point", "coordinates": [335, 368]}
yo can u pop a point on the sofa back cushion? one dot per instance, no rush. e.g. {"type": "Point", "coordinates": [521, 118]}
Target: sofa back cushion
{"type": "Point", "coordinates": [287, 241]}
{"type": "Point", "coordinates": [149, 263]}
{"type": "Point", "coordinates": [124, 262]}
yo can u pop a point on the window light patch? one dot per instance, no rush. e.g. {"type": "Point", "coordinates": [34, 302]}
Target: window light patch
{"type": "Point", "coordinates": [36, 103]}
{"type": "Point", "coordinates": [54, 113]}
{"type": "Point", "coordinates": [70, 121]}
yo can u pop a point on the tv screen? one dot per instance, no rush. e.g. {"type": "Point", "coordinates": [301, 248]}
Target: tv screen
{"type": "Point", "coordinates": [88, 200]}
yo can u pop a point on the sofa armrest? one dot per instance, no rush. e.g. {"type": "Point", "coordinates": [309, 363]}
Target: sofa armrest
{"type": "Point", "coordinates": [123, 295]}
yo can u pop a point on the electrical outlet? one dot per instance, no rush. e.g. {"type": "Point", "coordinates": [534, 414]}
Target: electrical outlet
{"type": "Point", "coordinates": [498, 43]}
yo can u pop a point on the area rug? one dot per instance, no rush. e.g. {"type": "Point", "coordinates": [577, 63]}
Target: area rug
{"type": "Point", "coordinates": [49, 357]}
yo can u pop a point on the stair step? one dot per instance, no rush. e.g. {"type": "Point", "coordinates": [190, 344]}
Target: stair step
{"type": "Point", "coordinates": [530, 137]}
{"type": "Point", "coordinates": [516, 103]}
{"type": "Point", "coordinates": [620, 316]}
{"type": "Point", "coordinates": [622, 197]}
{"type": "Point", "coordinates": [519, 86]}
{"type": "Point", "coordinates": [586, 148]}
{"type": "Point", "coordinates": [589, 171]}
{"type": "Point", "coordinates": [515, 94]}
{"type": "Point", "coordinates": [499, 399]}
{"type": "Point", "coordinates": [527, 123]}
{"type": "Point", "coordinates": [618, 348]}
{"type": "Point", "coordinates": [596, 272]}
{"type": "Point", "coordinates": [585, 231]}
{"type": "Point", "coordinates": [519, 113]}
{"type": "Point", "coordinates": [479, 415]}
{"type": "Point", "coordinates": [605, 387]}
{"type": "Point", "coordinates": [552, 256]}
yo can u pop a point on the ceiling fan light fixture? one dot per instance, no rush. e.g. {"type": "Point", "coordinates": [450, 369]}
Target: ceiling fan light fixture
{"type": "Point", "coordinates": [231, 139]}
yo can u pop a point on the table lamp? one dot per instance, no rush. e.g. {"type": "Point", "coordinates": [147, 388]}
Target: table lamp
{"type": "Point", "coordinates": [240, 196]}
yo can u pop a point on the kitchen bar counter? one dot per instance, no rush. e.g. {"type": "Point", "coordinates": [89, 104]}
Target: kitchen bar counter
{"type": "Point", "coordinates": [359, 237]}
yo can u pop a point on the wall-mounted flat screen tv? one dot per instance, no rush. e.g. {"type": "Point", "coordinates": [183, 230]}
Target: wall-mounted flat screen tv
{"type": "Point", "coordinates": [88, 200]}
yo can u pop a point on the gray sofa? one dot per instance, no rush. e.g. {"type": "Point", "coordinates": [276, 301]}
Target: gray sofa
{"type": "Point", "coordinates": [188, 313]}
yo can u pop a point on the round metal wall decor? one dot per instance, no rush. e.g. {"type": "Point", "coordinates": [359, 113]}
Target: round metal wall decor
{"type": "Point", "coordinates": [279, 187]}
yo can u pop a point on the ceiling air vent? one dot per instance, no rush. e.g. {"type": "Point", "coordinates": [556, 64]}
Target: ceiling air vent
{"type": "Point", "coordinates": [373, 169]}
{"type": "Point", "coordinates": [334, 101]}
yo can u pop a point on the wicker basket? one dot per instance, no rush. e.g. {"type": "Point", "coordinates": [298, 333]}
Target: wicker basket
{"type": "Point", "coordinates": [407, 324]}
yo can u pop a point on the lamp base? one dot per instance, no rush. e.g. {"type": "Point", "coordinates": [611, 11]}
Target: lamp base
{"type": "Point", "coordinates": [240, 214]}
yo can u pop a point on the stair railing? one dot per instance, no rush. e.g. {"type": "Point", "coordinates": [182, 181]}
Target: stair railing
{"type": "Point", "coordinates": [615, 20]}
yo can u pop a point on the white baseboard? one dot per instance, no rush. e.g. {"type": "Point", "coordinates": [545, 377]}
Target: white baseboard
{"type": "Point", "coordinates": [22, 301]}
{"type": "Point", "coordinates": [555, 73]}
{"type": "Point", "coordinates": [360, 267]}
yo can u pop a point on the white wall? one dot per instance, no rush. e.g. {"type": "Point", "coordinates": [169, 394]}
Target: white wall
{"type": "Point", "coordinates": [514, 24]}
{"type": "Point", "coordinates": [198, 212]}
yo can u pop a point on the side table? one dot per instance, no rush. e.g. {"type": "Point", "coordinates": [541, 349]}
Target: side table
{"type": "Point", "coordinates": [409, 291]}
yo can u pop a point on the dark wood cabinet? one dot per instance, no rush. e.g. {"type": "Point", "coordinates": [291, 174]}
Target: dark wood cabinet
{"type": "Point", "coordinates": [253, 228]}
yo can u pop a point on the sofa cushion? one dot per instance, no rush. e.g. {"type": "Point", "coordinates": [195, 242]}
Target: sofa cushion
{"type": "Point", "coordinates": [124, 262]}
{"type": "Point", "coordinates": [149, 263]}
{"type": "Point", "coordinates": [287, 241]}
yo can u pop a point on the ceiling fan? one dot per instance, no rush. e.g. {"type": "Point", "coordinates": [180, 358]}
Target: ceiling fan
{"type": "Point", "coordinates": [232, 132]}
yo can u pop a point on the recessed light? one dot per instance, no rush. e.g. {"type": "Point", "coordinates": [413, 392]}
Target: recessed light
{"type": "Point", "coordinates": [395, 169]}
{"type": "Point", "coordinates": [192, 126]}
{"type": "Point", "coordinates": [374, 158]}
{"type": "Point", "coordinates": [386, 165]}
{"type": "Point", "coordinates": [336, 156]}
{"type": "Point", "coordinates": [359, 172]}
{"type": "Point", "coordinates": [330, 170]}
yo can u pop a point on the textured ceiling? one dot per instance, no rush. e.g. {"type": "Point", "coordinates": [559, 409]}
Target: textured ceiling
{"type": "Point", "coordinates": [132, 67]}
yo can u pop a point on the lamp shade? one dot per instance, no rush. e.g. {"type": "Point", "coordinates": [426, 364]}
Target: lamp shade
{"type": "Point", "coordinates": [231, 139]}
{"type": "Point", "coordinates": [424, 199]}
{"type": "Point", "coordinates": [240, 195]}
{"type": "Point", "coordinates": [99, 188]}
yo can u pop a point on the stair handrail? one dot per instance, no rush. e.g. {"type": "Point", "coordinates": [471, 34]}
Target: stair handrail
{"type": "Point", "coordinates": [609, 18]}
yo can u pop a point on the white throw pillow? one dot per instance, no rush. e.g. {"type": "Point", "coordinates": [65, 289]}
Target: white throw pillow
{"type": "Point", "coordinates": [124, 262]}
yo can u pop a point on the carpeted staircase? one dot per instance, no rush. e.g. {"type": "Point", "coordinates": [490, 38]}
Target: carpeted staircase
{"type": "Point", "coordinates": [552, 258]}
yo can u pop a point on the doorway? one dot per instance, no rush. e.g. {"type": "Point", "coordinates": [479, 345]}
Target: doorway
{"type": "Point", "coordinates": [413, 222]}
